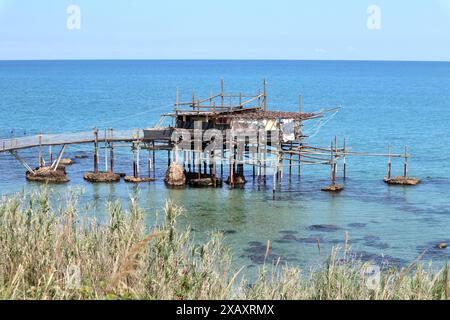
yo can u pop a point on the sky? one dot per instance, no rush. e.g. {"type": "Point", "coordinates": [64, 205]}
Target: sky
{"type": "Point", "coordinates": [227, 29]}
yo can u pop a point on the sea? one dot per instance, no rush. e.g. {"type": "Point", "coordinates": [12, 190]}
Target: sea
{"type": "Point", "coordinates": [381, 103]}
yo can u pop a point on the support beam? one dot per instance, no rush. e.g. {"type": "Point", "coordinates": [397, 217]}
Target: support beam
{"type": "Point", "coordinates": [22, 161]}
{"type": "Point", "coordinates": [55, 165]}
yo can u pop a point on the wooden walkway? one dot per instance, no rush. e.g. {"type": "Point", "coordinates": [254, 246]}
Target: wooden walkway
{"type": "Point", "coordinates": [17, 143]}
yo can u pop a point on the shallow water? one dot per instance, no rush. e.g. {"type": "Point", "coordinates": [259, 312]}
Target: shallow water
{"type": "Point", "coordinates": [397, 103]}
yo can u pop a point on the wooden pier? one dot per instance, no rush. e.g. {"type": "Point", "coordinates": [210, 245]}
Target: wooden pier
{"type": "Point", "coordinates": [222, 132]}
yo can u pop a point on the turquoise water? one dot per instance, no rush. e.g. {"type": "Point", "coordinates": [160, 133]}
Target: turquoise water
{"type": "Point", "coordinates": [397, 103]}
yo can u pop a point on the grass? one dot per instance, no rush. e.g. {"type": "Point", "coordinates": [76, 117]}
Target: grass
{"type": "Point", "coordinates": [54, 251]}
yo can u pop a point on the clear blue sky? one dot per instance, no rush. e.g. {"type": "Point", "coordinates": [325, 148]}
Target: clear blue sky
{"type": "Point", "coordinates": [226, 29]}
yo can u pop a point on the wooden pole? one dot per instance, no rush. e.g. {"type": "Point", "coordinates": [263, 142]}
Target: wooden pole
{"type": "Point", "coordinates": [300, 102]}
{"type": "Point", "coordinates": [106, 153]}
{"type": "Point", "coordinates": [40, 159]}
{"type": "Point", "coordinates": [290, 161]}
{"type": "Point", "coordinates": [138, 148]}
{"type": "Point", "coordinates": [336, 155]}
{"type": "Point", "coordinates": [153, 159]}
{"type": "Point", "coordinates": [222, 94]}
{"type": "Point", "coordinates": [111, 157]}
{"type": "Point", "coordinates": [274, 188]}
{"type": "Point", "coordinates": [149, 164]}
{"type": "Point", "coordinates": [168, 158]}
{"type": "Point", "coordinates": [176, 100]}
{"type": "Point", "coordinates": [333, 176]}
{"type": "Point", "coordinates": [51, 154]}
{"type": "Point", "coordinates": [199, 165]}
{"type": "Point", "coordinates": [189, 160]}
{"type": "Point", "coordinates": [300, 110]}
{"type": "Point", "coordinates": [389, 162]}
{"type": "Point", "coordinates": [133, 150]}
{"type": "Point", "coordinates": [265, 95]}
{"type": "Point", "coordinates": [96, 151]}
{"type": "Point", "coordinates": [231, 172]}
{"type": "Point", "coordinates": [405, 169]}
{"type": "Point", "coordinates": [344, 160]}
{"type": "Point", "coordinates": [258, 155]}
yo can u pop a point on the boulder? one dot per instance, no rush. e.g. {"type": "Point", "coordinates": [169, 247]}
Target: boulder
{"type": "Point", "coordinates": [132, 179]}
{"type": "Point", "coordinates": [66, 161]}
{"type": "Point", "coordinates": [238, 180]}
{"type": "Point", "coordinates": [47, 174]}
{"type": "Point", "coordinates": [333, 188]}
{"type": "Point", "coordinates": [101, 177]}
{"type": "Point", "coordinates": [403, 181]}
{"type": "Point", "coordinates": [175, 176]}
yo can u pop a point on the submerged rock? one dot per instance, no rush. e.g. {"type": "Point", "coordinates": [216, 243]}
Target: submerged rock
{"type": "Point", "coordinates": [238, 180]}
{"type": "Point", "coordinates": [66, 161]}
{"type": "Point", "coordinates": [324, 227]}
{"type": "Point", "coordinates": [101, 177]}
{"type": "Point", "coordinates": [175, 176]}
{"type": "Point", "coordinates": [442, 245]}
{"type": "Point", "coordinates": [81, 156]}
{"type": "Point", "coordinates": [132, 179]}
{"type": "Point", "coordinates": [404, 181]}
{"type": "Point", "coordinates": [333, 188]}
{"type": "Point", "coordinates": [205, 182]}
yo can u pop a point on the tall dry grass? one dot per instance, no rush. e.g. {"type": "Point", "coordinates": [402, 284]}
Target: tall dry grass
{"type": "Point", "coordinates": [43, 242]}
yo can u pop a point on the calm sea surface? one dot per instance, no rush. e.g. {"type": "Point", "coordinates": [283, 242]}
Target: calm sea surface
{"type": "Point", "coordinates": [397, 103]}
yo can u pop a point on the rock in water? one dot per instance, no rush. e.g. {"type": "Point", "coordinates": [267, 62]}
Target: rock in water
{"type": "Point", "coordinates": [333, 188]}
{"type": "Point", "coordinates": [175, 176]}
{"type": "Point", "coordinates": [101, 177]}
{"type": "Point", "coordinates": [238, 180]}
{"type": "Point", "coordinates": [66, 162]}
{"type": "Point", "coordinates": [48, 174]}
{"type": "Point", "coordinates": [442, 245]}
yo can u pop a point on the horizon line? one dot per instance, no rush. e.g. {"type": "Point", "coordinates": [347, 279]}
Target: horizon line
{"type": "Point", "coordinates": [214, 59]}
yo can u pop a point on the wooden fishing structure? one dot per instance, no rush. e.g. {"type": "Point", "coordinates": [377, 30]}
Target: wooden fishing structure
{"type": "Point", "coordinates": [267, 142]}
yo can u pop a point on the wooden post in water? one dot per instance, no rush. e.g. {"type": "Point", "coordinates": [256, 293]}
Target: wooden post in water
{"type": "Point", "coordinates": [168, 158]}
{"type": "Point", "coordinates": [111, 157]}
{"type": "Point", "coordinates": [290, 160]}
{"type": "Point", "coordinates": [344, 168]}
{"type": "Point", "coordinates": [333, 173]}
{"type": "Point", "coordinates": [111, 154]}
{"type": "Point", "coordinates": [133, 150]}
{"type": "Point", "coordinates": [222, 157]}
{"type": "Point", "coordinates": [153, 159]}
{"type": "Point", "coordinates": [222, 95]}
{"type": "Point", "coordinates": [265, 95]}
{"type": "Point", "coordinates": [231, 172]}
{"type": "Point", "coordinates": [138, 148]}
{"type": "Point", "coordinates": [405, 168]}
{"type": "Point", "coordinates": [96, 151]}
{"type": "Point", "coordinates": [189, 160]}
{"type": "Point", "coordinates": [40, 159]}
{"type": "Point", "coordinates": [50, 154]}
{"type": "Point", "coordinates": [258, 156]}
{"type": "Point", "coordinates": [300, 110]}
{"type": "Point", "coordinates": [336, 155]}
{"type": "Point", "coordinates": [275, 173]}
{"type": "Point", "coordinates": [389, 162]}
{"type": "Point", "coordinates": [106, 152]}
{"type": "Point", "coordinates": [199, 165]}
{"type": "Point", "coordinates": [149, 164]}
